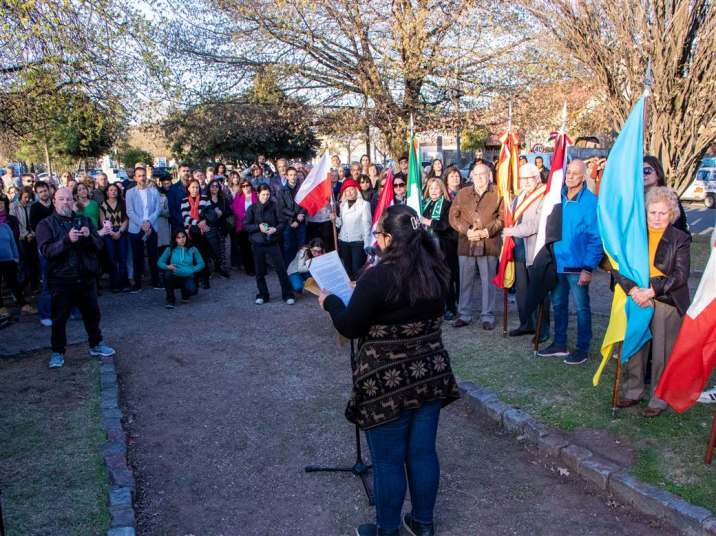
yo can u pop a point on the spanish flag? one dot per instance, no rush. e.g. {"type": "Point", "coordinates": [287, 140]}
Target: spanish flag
{"type": "Point", "coordinates": [622, 226]}
{"type": "Point", "coordinates": [507, 186]}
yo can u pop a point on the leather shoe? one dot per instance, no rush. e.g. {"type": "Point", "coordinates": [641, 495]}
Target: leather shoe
{"type": "Point", "coordinates": [459, 323]}
{"type": "Point", "coordinates": [488, 326]}
{"type": "Point", "coordinates": [519, 332]}
{"type": "Point", "coordinates": [652, 412]}
{"type": "Point", "coordinates": [626, 403]}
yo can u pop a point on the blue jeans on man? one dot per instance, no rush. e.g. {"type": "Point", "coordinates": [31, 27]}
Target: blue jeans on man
{"type": "Point", "coordinates": [566, 284]}
{"type": "Point", "coordinates": [406, 445]}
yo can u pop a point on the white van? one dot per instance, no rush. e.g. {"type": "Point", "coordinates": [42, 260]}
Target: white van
{"type": "Point", "coordinates": [703, 187]}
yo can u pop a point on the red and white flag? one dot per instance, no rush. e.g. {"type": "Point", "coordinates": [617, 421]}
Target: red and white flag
{"type": "Point", "coordinates": [694, 354]}
{"type": "Point", "coordinates": [384, 201]}
{"type": "Point", "coordinates": [316, 189]}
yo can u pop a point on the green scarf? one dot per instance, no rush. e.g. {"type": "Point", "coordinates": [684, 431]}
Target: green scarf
{"type": "Point", "coordinates": [437, 209]}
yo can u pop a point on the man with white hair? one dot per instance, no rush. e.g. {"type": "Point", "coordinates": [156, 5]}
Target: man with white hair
{"type": "Point", "coordinates": [70, 243]}
{"type": "Point", "coordinates": [576, 255]}
{"type": "Point", "coordinates": [476, 214]}
{"type": "Point", "coordinates": [526, 210]}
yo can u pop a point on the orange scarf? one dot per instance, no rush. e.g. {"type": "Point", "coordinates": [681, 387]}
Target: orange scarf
{"type": "Point", "coordinates": [194, 206]}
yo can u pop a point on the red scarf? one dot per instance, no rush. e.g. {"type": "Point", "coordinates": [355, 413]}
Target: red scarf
{"type": "Point", "coordinates": [194, 206]}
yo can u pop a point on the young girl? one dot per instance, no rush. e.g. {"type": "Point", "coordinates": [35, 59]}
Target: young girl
{"type": "Point", "coordinates": [180, 263]}
{"type": "Point", "coordinates": [298, 269]}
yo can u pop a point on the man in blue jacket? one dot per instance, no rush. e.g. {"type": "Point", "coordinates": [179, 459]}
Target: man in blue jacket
{"type": "Point", "coordinates": [177, 193]}
{"type": "Point", "coordinates": [576, 254]}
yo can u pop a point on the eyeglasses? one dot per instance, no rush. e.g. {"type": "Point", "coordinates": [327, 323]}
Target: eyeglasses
{"type": "Point", "coordinates": [243, 186]}
{"type": "Point", "coordinates": [398, 185]}
{"type": "Point", "coordinates": [648, 171]}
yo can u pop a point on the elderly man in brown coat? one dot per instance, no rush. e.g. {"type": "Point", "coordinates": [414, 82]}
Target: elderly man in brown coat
{"type": "Point", "coordinates": [476, 214]}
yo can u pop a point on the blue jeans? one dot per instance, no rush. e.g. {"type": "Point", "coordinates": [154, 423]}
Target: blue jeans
{"type": "Point", "coordinates": [567, 283]}
{"type": "Point", "coordinates": [137, 244]}
{"type": "Point", "coordinates": [292, 240]}
{"type": "Point", "coordinates": [117, 253]}
{"type": "Point", "coordinates": [44, 303]}
{"type": "Point", "coordinates": [405, 444]}
{"type": "Point", "coordinates": [297, 279]}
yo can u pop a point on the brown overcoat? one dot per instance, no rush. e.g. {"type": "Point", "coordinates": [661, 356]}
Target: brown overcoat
{"type": "Point", "coordinates": [470, 210]}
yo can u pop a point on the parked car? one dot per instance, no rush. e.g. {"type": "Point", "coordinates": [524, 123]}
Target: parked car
{"type": "Point", "coordinates": [703, 187]}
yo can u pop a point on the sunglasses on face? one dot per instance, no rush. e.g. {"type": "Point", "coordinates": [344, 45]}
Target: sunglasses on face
{"type": "Point", "coordinates": [399, 185]}
{"type": "Point", "coordinates": [245, 186]}
{"type": "Point", "coordinates": [648, 171]}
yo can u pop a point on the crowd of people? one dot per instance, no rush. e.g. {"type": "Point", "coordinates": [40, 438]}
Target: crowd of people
{"type": "Point", "coordinates": [209, 221]}
{"type": "Point", "coordinates": [63, 242]}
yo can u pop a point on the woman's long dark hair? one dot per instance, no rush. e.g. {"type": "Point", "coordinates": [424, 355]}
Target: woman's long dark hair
{"type": "Point", "coordinates": [420, 269]}
{"type": "Point", "coordinates": [173, 243]}
{"type": "Point", "coordinates": [655, 163]}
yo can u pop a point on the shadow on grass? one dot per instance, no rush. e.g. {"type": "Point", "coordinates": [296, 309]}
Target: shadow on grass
{"type": "Point", "coordinates": [669, 449]}
{"type": "Point", "coordinates": [51, 472]}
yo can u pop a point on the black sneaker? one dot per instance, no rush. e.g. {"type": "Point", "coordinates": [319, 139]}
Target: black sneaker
{"type": "Point", "coordinates": [553, 351]}
{"type": "Point", "coordinates": [414, 528]}
{"type": "Point", "coordinates": [169, 305]}
{"type": "Point", "coordinates": [576, 358]}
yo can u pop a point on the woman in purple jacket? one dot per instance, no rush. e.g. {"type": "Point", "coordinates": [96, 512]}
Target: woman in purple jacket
{"type": "Point", "coordinates": [240, 237]}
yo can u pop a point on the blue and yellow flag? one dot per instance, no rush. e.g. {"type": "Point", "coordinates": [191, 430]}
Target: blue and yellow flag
{"type": "Point", "coordinates": [622, 226]}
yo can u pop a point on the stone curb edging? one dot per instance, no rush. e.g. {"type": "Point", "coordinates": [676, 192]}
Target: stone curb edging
{"type": "Point", "coordinates": [603, 473]}
{"type": "Point", "coordinates": [114, 454]}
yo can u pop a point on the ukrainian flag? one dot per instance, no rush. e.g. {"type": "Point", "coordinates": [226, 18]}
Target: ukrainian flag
{"type": "Point", "coordinates": [622, 226]}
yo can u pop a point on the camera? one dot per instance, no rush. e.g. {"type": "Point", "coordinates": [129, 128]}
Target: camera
{"type": "Point", "coordinates": [77, 224]}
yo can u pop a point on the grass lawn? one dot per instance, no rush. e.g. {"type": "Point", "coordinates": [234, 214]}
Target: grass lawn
{"type": "Point", "coordinates": [51, 473]}
{"type": "Point", "coordinates": [669, 449]}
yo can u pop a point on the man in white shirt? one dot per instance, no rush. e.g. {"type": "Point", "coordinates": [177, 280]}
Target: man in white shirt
{"type": "Point", "coordinates": [143, 207]}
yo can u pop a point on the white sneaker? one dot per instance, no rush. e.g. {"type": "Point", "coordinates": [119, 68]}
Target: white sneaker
{"type": "Point", "coordinates": [708, 397]}
{"type": "Point", "coordinates": [290, 301]}
{"type": "Point", "coordinates": [259, 301]}
{"type": "Point", "coordinates": [47, 322]}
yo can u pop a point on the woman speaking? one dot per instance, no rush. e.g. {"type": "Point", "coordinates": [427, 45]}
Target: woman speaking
{"type": "Point", "coordinates": [401, 374]}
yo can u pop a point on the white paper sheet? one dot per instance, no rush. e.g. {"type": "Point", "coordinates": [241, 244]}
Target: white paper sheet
{"type": "Point", "coordinates": [329, 274]}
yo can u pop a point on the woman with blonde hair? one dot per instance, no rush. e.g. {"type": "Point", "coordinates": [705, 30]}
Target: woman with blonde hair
{"type": "Point", "coordinates": [436, 218]}
{"type": "Point", "coordinates": [667, 293]}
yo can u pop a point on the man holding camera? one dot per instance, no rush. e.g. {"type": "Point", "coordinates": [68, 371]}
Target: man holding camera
{"type": "Point", "coordinates": [69, 242]}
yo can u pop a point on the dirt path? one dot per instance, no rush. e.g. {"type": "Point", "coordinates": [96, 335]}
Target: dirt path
{"type": "Point", "coordinates": [228, 401]}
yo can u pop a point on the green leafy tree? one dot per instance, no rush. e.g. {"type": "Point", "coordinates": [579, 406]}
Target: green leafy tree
{"type": "Point", "coordinates": [264, 121]}
{"type": "Point", "coordinates": [129, 156]}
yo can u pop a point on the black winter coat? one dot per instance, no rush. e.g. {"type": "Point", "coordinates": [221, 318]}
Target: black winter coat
{"type": "Point", "coordinates": [259, 213]}
{"type": "Point", "coordinates": [69, 265]}
{"type": "Point", "coordinates": [673, 258]}
{"type": "Point", "coordinates": [288, 209]}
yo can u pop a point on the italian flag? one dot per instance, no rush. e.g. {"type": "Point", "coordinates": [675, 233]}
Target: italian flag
{"type": "Point", "coordinates": [414, 197]}
{"type": "Point", "coordinates": [694, 354]}
{"type": "Point", "coordinates": [316, 189]}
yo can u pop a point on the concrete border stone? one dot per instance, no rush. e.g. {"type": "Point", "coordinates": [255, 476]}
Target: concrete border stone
{"type": "Point", "coordinates": [114, 454]}
{"type": "Point", "coordinates": [602, 473]}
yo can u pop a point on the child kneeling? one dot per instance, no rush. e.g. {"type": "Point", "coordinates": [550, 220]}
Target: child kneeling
{"type": "Point", "coordinates": [298, 269]}
{"type": "Point", "coordinates": [180, 263]}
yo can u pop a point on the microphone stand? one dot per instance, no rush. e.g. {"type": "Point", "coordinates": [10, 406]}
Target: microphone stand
{"type": "Point", "coordinates": [359, 468]}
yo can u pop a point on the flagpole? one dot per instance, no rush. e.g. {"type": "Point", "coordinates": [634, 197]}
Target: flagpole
{"type": "Point", "coordinates": [617, 382]}
{"type": "Point", "coordinates": [538, 330]}
{"type": "Point", "coordinates": [333, 220]}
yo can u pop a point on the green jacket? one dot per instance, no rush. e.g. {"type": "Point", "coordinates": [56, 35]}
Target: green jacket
{"type": "Point", "coordinates": [187, 261]}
